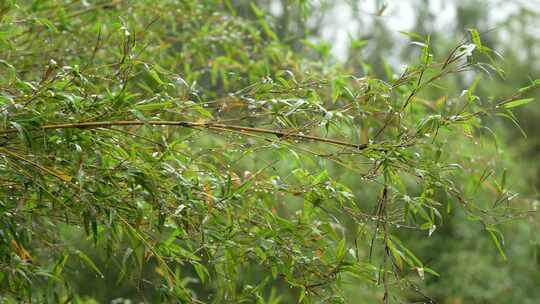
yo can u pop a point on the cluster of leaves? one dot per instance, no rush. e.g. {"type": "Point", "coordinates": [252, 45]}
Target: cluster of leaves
{"type": "Point", "coordinates": [209, 161]}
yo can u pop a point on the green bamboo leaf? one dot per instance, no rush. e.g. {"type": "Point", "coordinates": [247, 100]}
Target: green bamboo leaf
{"type": "Point", "coordinates": [88, 261]}
{"type": "Point", "coordinates": [517, 103]}
{"type": "Point", "coordinates": [475, 37]}
{"type": "Point", "coordinates": [494, 236]}
{"type": "Point", "coordinates": [260, 15]}
{"type": "Point", "coordinates": [433, 272]}
{"type": "Point", "coordinates": [202, 271]}
{"type": "Point", "coordinates": [412, 35]}
{"type": "Point", "coordinates": [153, 106]}
{"type": "Point", "coordinates": [341, 249]}
{"type": "Point", "coordinates": [156, 77]}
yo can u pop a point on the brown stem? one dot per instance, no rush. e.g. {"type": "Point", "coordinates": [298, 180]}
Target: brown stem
{"type": "Point", "coordinates": [187, 124]}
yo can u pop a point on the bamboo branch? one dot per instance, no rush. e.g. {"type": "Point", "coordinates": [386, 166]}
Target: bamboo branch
{"type": "Point", "coordinates": [187, 124]}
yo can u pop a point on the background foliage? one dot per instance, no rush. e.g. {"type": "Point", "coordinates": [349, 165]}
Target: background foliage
{"type": "Point", "coordinates": [219, 152]}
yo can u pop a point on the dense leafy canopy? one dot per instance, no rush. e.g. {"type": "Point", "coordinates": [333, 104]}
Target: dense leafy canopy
{"type": "Point", "coordinates": [196, 151]}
